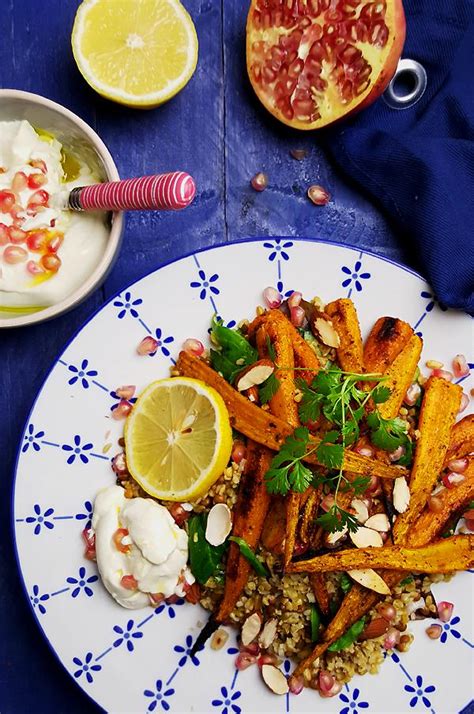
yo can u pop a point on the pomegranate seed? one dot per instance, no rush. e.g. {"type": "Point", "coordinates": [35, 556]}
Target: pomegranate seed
{"type": "Point", "coordinates": [318, 195]}
{"type": "Point", "coordinates": [295, 684]}
{"type": "Point", "coordinates": [239, 451]}
{"type": "Point", "coordinates": [126, 392]}
{"type": "Point", "coordinates": [172, 599]}
{"type": "Point", "coordinates": [326, 681]}
{"type": "Point", "coordinates": [364, 451]}
{"type": "Point", "coordinates": [392, 638]}
{"type": "Point", "coordinates": [14, 254]}
{"type": "Point", "coordinates": [464, 402]}
{"type": "Point", "coordinates": [122, 410]}
{"type": "Point", "coordinates": [7, 201]}
{"type": "Point", "coordinates": [328, 502]}
{"type": "Point", "coordinates": [34, 268]}
{"type": "Point", "coordinates": [469, 515]}
{"type": "Point", "coordinates": [36, 180]}
{"type": "Point", "coordinates": [387, 611]}
{"type": "Point", "coordinates": [156, 598]}
{"type": "Point", "coordinates": [244, 660]}
{"type": "Point", "coordinates": [51, 262]}
{"type": "Point", "coordinates": [119, 465]}
{"type": "Point", "coordinates": [413, 392]}
{"type": "Point", "coordinates": [445, 610]}
{"type": "Point", "coordinates": [470, 524]}
{"type": "Point", "coordinates": [458, 465]}
{"type": "Point", "coordinates": [297, 316]}
{"type": "Point", "coordinates": [267, 658]}
{"type": "Point", "coordinates": [55, 243]}
{"type": "Point", "coordinates": [460, 366]}
{"type": "Point", "coordinates": [178, 513]}
{"type": "Point", "coordinates": [443, 373]}
{"type": "Point", "coordinates": [193, 346]}
{"type": "Point", "coordinates": [147, 346]}
{"type": "Point", "coordinates": [335, 689]}
{"type": "Point", "coordinates": [272, 298]}
{"type": "Point", "coordinates": [36, 240]}
{"type": "Point", "coordinates": [39, 164]}
{"type": "Point", "coordinates": [193, 593]}
{"type": "Point", "coordinates": [17, 235]}
{"type": "Point", "coordinates": [89, 538]}
{"type": "Point", "coordinates": [374, 488]}
{"type": "Point", "coordinates": [434, 632]}
{"type": "Point", "coordinates": [298, 154]}
{"type": "Point", "coordinates": [118, 537]}
{"type": "Point", "coordinates": [397, 454]}
{"type": "Point", "coordinates": [20, 181]}
{"type": "Point", "coordinates": [4, 234]}
{"type": "Point", "coordinates": [259, 182]}
{"type": "Point", "coordinates": [435, 505]}
{"type": "Point", "coordinates": [253, 648]}
{"type": "Point", "coordinates": [15, 211]}
{"type": "Point", "coordinates": [294, 299]}
{"type": "Point", "coordinates": [452, 479]}
{"type": "Point", "coordinates": [129, 582]}
{"type": "Point", "coordinates": [39, 198]}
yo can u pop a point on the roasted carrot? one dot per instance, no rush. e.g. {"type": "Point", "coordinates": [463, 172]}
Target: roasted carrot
{"type": "Point", "coordinates": [451, 502]}
{"type": "Point", "coordinates": [462, 438]}
{"type": "Point", "coordinates": [309, 507]}
{"type": "Point", "coordinates": [273, 534]}
{"type": "Point", "coordinates": [399, 376]}
{"type": "Point", "coordinates": [386, 340]}
{"type": "Point", "coordinates": [346, 323]}
{"type": "Point", "coordinates": [439, 409]}
{"type": "Point", "coordinates": [443, 556]}
{"type": "Point", "coordinates": [320, 591]}
{"type": "Point", "coordinates": [268, 430]}
{"type": "Point", "coordinates": [249, 515]}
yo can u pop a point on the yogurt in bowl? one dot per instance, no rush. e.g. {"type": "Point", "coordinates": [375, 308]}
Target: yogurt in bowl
{"type": "Point", "coordinates": [50, 258]}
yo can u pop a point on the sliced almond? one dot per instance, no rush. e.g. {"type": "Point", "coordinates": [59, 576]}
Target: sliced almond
{"type": "Point", "coordinates": [275, 679]}
{"type": "Point", "coordinates": [366, 538]}
{"type": "Point", "coordinates": [332, 539]}
{"type": "Point", "coordinates": [361, 510]}
{"type": "Point", "coordinates": [370, 579]}
{"type": "Point", "coordinates": [326, 332]}
{"type": "Point", "coordinates": [268, 633]}
{"type": "Point", "coordinates": [219, 524]}
{"type": "Point", "coordinates": [379, 523]}
{"type": "Point", "coordinates": [254, 374]}
{"type": "Point", "coordinates": [251, 628]}
{"type": "Point", "coordinates": [401, 494]}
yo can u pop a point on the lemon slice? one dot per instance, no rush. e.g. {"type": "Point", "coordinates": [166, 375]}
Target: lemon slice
{"type": "Point", "coordinates": [135, 52]}
{"type": "Point", "coordinates": [178, 439]}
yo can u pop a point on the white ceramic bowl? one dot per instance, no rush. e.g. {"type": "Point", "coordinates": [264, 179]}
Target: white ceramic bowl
{"type": "Point", "coordinates": [78, 136]}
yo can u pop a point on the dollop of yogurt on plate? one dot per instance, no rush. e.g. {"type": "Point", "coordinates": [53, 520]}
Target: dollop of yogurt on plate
{"type": "Point", "coordinates": [34, 229]}
{"type": "Point", "coordinates": [140, 550]}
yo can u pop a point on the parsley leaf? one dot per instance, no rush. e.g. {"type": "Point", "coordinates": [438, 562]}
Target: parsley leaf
{"type": "Point", "coordinates": [387, 434]}
{"type": "Point", "coordinates": [329, 453]}
{"type": "Point", "coordinates": [380, 394]}
{"type": "Point", "coordinates": [269, 388]}
{"type": "Point", "coordinates": [286, 471]}
{"type": "Point", "coordinates": [310, 406]}
{"type": "Point", "coordinates": [270, 349]}
{"type": "Point", "coordinates": [336, 519]}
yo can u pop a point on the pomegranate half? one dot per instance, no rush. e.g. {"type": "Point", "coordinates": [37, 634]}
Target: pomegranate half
{"type": "Point", "coordinates": [312, 62]}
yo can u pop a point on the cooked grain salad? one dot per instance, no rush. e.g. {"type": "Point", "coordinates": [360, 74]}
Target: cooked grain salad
{"type": "Point", "coordinates": [349, 491]}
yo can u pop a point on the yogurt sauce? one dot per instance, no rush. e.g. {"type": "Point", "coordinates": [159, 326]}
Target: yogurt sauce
{"type": "Point", "coordinates": [157, 549]}
{"type": "Point", "coordinates": [84, 234]}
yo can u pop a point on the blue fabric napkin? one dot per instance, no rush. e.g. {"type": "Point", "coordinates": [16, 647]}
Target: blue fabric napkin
{"type": "Point", "coordinates": [418, 162]}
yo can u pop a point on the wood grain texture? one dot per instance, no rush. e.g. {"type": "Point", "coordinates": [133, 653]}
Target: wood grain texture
{"type": "Point", "coordinates": [215, 130]}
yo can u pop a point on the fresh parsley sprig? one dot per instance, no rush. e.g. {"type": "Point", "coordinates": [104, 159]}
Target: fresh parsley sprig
{"type": "Point", "coordinates": [287, 472]}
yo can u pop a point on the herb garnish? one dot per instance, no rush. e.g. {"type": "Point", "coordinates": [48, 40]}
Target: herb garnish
{"type": "Point", "coordinates": [235, 351]}
{"type": "Point", "coordinates": [249, 555]}
{"type": "Point", "coordinates": [337, 396]}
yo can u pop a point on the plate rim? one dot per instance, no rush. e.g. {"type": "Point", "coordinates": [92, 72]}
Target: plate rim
{"type": "Point", "coordinates": [257, 239]}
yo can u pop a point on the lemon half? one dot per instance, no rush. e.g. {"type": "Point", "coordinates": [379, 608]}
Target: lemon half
{"type": "Point", "coordinates": [178, 439]}
{"type": "Point", "coordinates": [135, 52]}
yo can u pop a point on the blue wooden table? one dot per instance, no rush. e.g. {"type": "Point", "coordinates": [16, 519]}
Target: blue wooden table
{"type": "Point", "coordinates": [216, 130]}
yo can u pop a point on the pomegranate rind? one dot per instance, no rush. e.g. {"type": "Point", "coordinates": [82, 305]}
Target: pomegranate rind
{"type": "Point", "coordinates": [329, 106]}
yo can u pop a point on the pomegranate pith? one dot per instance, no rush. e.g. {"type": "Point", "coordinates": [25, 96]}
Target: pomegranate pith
{"type": "Point", "coordinates": [311, 63]}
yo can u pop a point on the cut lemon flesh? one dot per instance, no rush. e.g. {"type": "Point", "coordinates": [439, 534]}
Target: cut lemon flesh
{"type": "Point", "coordinates": [178, 439]}
{"type": "Point", "coordinates": [135, 52]}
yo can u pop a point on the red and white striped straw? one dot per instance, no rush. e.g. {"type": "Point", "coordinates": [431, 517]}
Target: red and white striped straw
{"type": "Point", "coordinates": [163, 192]}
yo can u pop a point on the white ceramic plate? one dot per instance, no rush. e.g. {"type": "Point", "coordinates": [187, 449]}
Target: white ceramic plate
{"type": "Point", "coordinates": [138, 661]}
